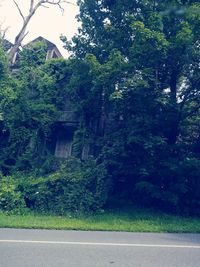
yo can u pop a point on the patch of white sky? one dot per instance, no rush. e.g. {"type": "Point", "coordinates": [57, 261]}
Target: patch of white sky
{"type": "Point", "coordinates": [49, 23]}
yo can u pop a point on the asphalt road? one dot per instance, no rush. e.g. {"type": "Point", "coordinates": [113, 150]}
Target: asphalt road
{"type": "Point", "coordinates": [49, 248]}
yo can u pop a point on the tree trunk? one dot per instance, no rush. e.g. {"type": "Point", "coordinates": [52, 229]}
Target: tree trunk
{"type": "Point", "coordinates": [174, 110]}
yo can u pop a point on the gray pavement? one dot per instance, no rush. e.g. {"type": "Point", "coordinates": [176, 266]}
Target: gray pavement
{"type": "Point", "coordinates": [49, 248]}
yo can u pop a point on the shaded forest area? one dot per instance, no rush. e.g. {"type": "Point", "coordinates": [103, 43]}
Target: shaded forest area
{"type": "Point", "coordinates": [133, 80]}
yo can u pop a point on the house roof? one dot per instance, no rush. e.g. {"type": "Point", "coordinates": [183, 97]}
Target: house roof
{"type": "Point", "coordinates": [50, 46]}
{"type": "Point", "coordinates": [6, 44]}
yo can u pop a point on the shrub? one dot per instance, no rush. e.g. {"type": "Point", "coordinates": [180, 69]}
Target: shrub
{"type": "Point", "coordinates": [174, 187]}
{"type": "Point", "coordinates": [77, 186]}
{"type": "Point", "coordinates": [10, 198]}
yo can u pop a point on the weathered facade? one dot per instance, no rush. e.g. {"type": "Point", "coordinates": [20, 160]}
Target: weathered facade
{"type": "Point", "coordinates": [67, 123]}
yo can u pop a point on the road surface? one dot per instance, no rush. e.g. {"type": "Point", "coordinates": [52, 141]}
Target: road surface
{"type": "Point", "coordinates": [50, 248]}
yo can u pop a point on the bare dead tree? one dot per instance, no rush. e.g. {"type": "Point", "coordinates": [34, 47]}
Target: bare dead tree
{"type": "Point", "coordinates": [33, 7]}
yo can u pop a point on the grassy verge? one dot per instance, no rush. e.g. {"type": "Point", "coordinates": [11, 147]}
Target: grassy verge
{"type": "Point", "coordinates": [126, 219]}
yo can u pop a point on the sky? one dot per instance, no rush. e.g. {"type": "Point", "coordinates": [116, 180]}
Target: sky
{"type": "Point", "coordinates": [47, 22]}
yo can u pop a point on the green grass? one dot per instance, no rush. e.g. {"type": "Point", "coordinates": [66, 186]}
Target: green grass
{"type": "Point", "coordinates": [124, 219]}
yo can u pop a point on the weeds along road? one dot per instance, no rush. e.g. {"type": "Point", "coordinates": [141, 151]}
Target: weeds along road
{"type": "Point", "coordinates": [50, 248]}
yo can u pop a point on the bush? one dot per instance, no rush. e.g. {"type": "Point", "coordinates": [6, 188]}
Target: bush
{"type": "Point", "coordinates": [77, 186]}
{"type": "Point", "coordinates": [174, 187]}
{"type": "Point", "coordinates": [10, 198]}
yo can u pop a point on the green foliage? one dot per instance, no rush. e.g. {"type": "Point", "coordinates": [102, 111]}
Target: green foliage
{"type": "Point", "coordinates": [30, 110]}
{"type": "Point", "coordinates": [115, 218]}
{"type": "Point", "coordinates": [33, 55]}
{"type": "Point", "coordinates": [174, 186]}
{"type": "Point", "coordinates": [77, 186]}
{"type": "Point", "coordinates": [6, 83]}
{"type": "Point", "coordinates": [11, 200]}
{"type": "Point", "coordinates": [139, 96]}
{"type": "Point", "coordinates": [134, 81]}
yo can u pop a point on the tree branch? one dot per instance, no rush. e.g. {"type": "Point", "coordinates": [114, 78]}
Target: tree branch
{"type": "Point", "coordinates": [61, 8]}
{"type": "Point", "coordinates": [24, 36]}
{"type": "Point", "coordinates": [20, 12]}
{"type": "Point", "coordinates": [31, 6]}
{"type": "Point", "coordinates": [58, 2]}
{"type": "Point", "coordinates": [34, 5]}
{"type": "Point", "coordinates": [44, 6]}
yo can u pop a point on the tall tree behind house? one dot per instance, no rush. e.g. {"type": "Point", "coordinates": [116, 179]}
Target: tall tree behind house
{"type": "Point", "coordinates": [143, 57]}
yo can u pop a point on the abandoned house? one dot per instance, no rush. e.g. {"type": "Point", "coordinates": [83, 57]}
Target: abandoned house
{"type": "Point", "coordinates": [67, 123]}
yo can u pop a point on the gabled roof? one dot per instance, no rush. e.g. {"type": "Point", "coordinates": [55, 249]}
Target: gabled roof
{"type": "Point", "coordinates": [52, 50]}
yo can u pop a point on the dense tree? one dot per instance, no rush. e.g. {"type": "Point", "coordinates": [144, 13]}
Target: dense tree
{"type": "Point", "coordinates": [144, 73]}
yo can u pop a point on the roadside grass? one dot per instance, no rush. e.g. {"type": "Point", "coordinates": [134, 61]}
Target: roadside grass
{"type": "Point", "coordinates": [121, 219]}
